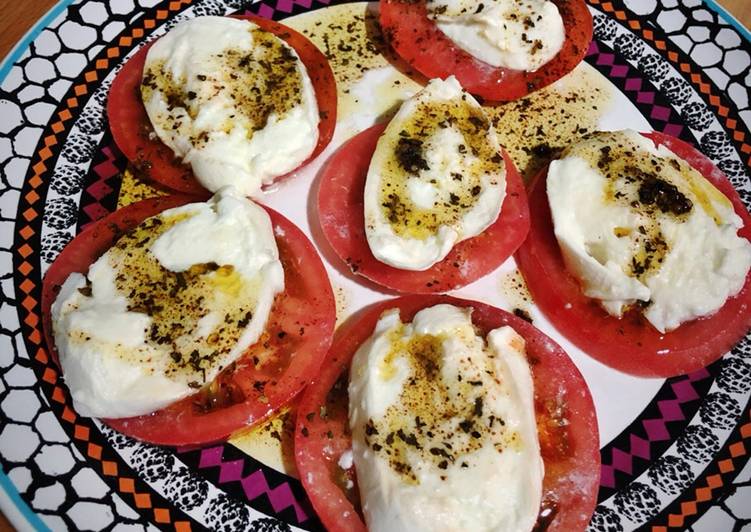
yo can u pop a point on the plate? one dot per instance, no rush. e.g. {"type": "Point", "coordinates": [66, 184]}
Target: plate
{"type": "Point", "coordinates": [674, 452]}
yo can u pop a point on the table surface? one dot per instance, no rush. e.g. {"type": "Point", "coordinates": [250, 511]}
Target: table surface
{"type": "Point", "coordinates": [16, 22]}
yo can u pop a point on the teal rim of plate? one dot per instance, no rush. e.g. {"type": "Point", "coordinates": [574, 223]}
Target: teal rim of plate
{"type": "Point", "coordinates": [22, 45]}
{"type": "Point", "coordinates": [9, 489]}
{"type": "Point", "coordinates": [730, 19]}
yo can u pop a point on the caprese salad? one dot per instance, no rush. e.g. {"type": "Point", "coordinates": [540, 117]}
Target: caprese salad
{"type": "Point", "coordinates": [429, 203]}
{"type": "Point", "coordinates": [639, 253]}
{"type": "Point", "coordinates": [223, 101]}
{"type": "Point", "coordinates": [432, 412]}
{"type": "Point", "coordinates": [499, 50]}
{"type": "Point", "coordinates": [181, 322]}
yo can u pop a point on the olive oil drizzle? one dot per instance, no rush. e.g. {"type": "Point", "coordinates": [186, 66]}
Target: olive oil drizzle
{"type": "Point", "coordinates": [438, 421]}
{"type": "Point", "coordinates": [408, 159]}
{"type": "Point", "coordinates": [644, 183]}
{"type": "Point", "coordinates": [177, 301]}
{"type": "Point", "coordinates": [263, 82]}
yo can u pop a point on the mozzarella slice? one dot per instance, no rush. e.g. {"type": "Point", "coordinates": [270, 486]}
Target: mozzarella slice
{"type": "Point", "coordinates": [170, 305]}
{"type": "Point", "coordinates": [516, 34]}
{"type": "Point", "coordinates": [436, 178]}
{"type": "Point", "coordinates": [636, 225]}
{"type": "Point", "coordinates": [443, 426]}
{"type": "Point", "coordinates": [232, 100]}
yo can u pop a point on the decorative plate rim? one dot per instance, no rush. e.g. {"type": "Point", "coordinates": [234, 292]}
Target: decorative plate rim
{"type": "Point", "coordinates": [11, 503]}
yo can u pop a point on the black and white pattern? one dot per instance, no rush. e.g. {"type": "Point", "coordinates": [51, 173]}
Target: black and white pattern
{"type": "Point", "coordinates": [720, 410]}
{"type": "Point", "coordinates": [54, 244]}
{"type": "Point", "coordinates": [638, 502]}
{"type": "Point", "coordinates": [61, 213]}
{"type": "Point", "coordinates": [711, 42]}
{"type": "Point", "coordinates": [47, 469]}
{"type": "Point", "coordinates": [270, 525]}
{"type": "Point", "coordinates": [152, 463]}
{"type": "Point", "coordinates": [698, 443]}
{"type": "Point", "coordinates": [697, 115]}
{"type": "Point", "coordinates": [716, 145]}
{"type": "Point", "coordinates": [187, 489]}
{"type": "Point", "coordinates": [735, 376]}
{"type": "Point", "coordinates": [671, 474]}
{"type": "Point", "coordinates": [79, 148]}
{"type": "Point", "coordinates": [226, 515]}
{"type": "Point", "coordinates": [677, 90]}
{"type": "Point", "coordinates": [68, 180]}
{"type": "Point", "coordinates": [605, 520]}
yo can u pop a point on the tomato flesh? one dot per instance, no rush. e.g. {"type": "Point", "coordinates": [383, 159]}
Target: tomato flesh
{"type": "Point", "coordinates": [289, 353]}
{"type": "Point", "coordinates": [566, 419]}
{"type": "Point", "coordinates": [418, 40]}
{"type": "Point", "coordinates": [630, 344]}
{"type": "Point", "coordinates": [153, 160]}
{"type": "Point", "coordinates": [340, 211]}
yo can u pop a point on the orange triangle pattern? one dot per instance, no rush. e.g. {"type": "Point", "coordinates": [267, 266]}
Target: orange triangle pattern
{"type": "Point", "coordinates": [705, 491]}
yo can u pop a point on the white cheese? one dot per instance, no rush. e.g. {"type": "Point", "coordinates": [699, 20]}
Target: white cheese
{"type": "Point", "coordinates": [345, 460]}
{"type": "Point", "coordinates": [114, 357]}
{"type": "Point", "coordinates": [623, 251]}
{"type": "Point", "coordinates": [515, 34]}
{"type": "Point", "coordinates": [436, 178]}
{"type": "Point", "coordinates": [233, 101]}
{"type": "Point", "coordinates": [417, 387]}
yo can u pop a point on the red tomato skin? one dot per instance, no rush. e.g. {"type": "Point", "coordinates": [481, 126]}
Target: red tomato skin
{"type": "Point", "coordinates": [307, 302]}
{"type": "Point", "coordinates": [571, 477]}
{"type": "Point", "coordinates": [418, 41]}
{"type": "Point", "coordinates": [631, 344]}
{"type": "Point", "coordinates": [340, 211]}
{"type": "Point", "coordinates": [135, 137]}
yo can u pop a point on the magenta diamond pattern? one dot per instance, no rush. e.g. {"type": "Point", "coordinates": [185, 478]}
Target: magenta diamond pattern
{"type": "Point", "coordinates": [639, 440]}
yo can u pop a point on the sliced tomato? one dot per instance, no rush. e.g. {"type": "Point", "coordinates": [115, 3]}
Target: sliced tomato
{"type": "Point", "coordinates": [340, 210]}
{"type": "Point", "coordinates": [630, 344]}
{"type": "Point", "coordinates": [135, 136]}
{"type": "Point", "coordinates": [566, 420]}
{"type": "Point", "coordinates": [418, 41]}
{"type": "Point", "coordinates": [296, 338]}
